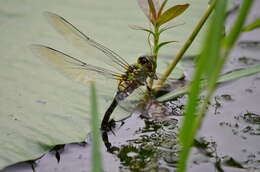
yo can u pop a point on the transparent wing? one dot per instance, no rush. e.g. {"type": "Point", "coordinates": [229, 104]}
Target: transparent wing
{"type": "Point", "coordinates": [83, 42]}
{"type": "Point", "coordinates": [70, 66]}
{"type": "Point", "coordinates": [131, 102]}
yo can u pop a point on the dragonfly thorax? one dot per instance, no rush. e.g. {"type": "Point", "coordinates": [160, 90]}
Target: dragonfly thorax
{"type": "Point", "coordinates": [140, 70]}
{"type": "Point", "coordinates": [135, 76]}
{"type": "Point", "coordinates": [147, 65]}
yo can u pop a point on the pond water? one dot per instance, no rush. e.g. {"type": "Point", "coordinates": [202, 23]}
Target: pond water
{"type": "Point", "coordinates": [228, 140]}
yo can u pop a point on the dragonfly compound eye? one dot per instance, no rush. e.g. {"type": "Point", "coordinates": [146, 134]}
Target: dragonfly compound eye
{"type": "Point", "coordinates": [143, 60]}
{"type": "Point", "coordinates": [131, 67]}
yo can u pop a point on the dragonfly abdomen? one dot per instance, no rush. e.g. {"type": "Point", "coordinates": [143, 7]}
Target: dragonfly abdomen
{"type": "Point", "coordinates": [126, 88]}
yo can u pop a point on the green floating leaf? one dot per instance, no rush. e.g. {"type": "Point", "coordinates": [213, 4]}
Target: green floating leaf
{"type": "Point", "coordinates": [224, 78]}
{"type": "Point", "coordinates": [171, 13]}
{"type": "Point", "coordinates": [254, 25]}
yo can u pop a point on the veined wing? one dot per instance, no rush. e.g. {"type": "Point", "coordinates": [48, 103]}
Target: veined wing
{"type": "Point", "coordinates": [70, 66]}
{"type": "Point", "coordinates": [80, 40]}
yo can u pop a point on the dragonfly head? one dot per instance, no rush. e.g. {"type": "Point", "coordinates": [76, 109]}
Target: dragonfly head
{"type": "Point", "coordinates": [147, 63]}
{"type": "Point", "coordinates": [143, 59]}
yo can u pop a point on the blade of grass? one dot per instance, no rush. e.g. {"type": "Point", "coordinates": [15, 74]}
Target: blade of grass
{"type": "Point", "coordinates": [195, 115]}
{"type": "Point", "coordinates": [238, 25]}
{"type": "Point", "coordinates": [96, 155]}
{"type": "Point", "coordinates": [209, 55]}
{"type": "Point", "coordinates": [224, 78]}
{"type": "Point", "coordinates": [239, 74]}
{"type": "Point", "coordinates": [254, 25]}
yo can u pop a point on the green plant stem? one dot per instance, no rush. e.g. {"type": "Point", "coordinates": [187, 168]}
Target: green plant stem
{"type": "Point", "coordinates": [156, 41]}
{"type": "Point", "coordinates": [156, 36]}
{"type": "Point", "coordinates": [155, 45]}
{"type": "Point", "coordinates": [187, 43]}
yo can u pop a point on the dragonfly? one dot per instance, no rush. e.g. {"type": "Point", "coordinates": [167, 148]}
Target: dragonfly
{"type": "Point", "coordinates": [129, 77]}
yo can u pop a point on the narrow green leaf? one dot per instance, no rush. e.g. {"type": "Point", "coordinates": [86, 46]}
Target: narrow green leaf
{"type": "Point", "coordinates": [234, 75]}
{"type": "Point", "coordinates": [162, 6]}
{"type": "Point", "coordinates": [143, 4]}
{"type": "Point", "coordinates": [156, 4]}
{"type": "Point", "coordinates": [213, 45]}
{"type": "Point", "coordinates": [152, 10]}
{"type": "Point", "coordinates": [135, 27]}
{"type": "Point", "coordinates": [96, 155]}
{"type": "Point", "coordinates": [171, 13]}
{"type": "Point", "coordinates": [239, 22]}
{"type": "Point", "coordinates": [169, 27]}
{"type": "Point", "coordinates": [174, 94]}
{"type": "Point", "coordinates": [164, 43]}
{"type": "Point", "coordinates": [254, 25]}
{"type": "Point", "coordinates": [239, 74]}
{"type": "Point", "coordinates": [145, 7]}
{"type": "Point", "coordinates": [210, 2]}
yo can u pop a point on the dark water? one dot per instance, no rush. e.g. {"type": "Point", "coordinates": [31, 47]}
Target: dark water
{"type": "Point", "coordinates": [228, 140]}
